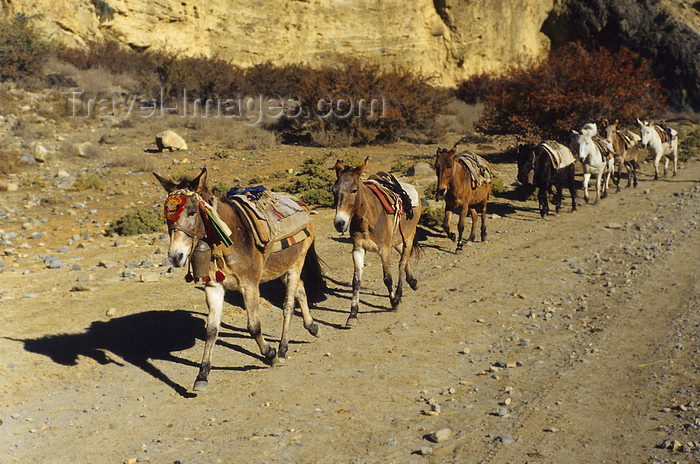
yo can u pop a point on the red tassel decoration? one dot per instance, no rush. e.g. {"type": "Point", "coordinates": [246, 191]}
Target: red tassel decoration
{"type": "Point", "coordinates": [220, 276]}
{"type": "Point", "coordinates": [206, 279]}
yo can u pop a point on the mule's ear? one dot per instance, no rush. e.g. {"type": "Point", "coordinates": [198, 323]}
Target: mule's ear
{"type": "Point", "coordinates": [199, 183]}
{"type": "Point", "coordinates": [617, 121]}
{"type": "Point", "coordinates": [640, 122]}
{"type": "Point", "coordinates": [338, 168]}
{"type": "Point", "coordinates": [453, 152]}
{"type": "Point", "coordinates": [361, 167]}
{"type": "Point", "coordinates": [168, 185]}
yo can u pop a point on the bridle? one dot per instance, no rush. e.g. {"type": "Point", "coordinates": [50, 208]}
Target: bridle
{"type": "Point", "coordinates": [174, 206]}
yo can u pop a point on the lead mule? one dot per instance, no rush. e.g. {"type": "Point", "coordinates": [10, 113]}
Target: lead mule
{"type": "Point", "coordinates": [194, 215]}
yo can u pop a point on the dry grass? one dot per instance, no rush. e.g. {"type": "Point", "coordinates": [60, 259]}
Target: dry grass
{"type": "Point", "coordinates": [232, 134]}
{"type": "Point", "coordinates": [136, 163]}
{"type": "Point", "coordinates": [8, 161]}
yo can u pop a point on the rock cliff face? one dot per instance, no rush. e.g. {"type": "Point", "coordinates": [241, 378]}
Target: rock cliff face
{"type": "Point", "coordinates": [444, 40]}
{"type": "Point", "coordinates": [666, 31]}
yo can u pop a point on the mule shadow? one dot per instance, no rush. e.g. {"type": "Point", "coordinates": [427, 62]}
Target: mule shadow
{"type": "Point", "coordinates": [136, 338]}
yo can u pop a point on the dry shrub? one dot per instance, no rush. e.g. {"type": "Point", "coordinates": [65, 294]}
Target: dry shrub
{"type": "Point", "coordinates": [377, 106]}
{"type": "Point", "coordinates": [572, 86]}
{"type": "Point", "coordinates": [22, 50]}
{"type": "Point", "coordinates": [460, 117]}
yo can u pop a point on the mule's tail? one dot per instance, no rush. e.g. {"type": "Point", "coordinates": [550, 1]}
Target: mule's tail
{"type": "Point", "coordinates": [312, 276]}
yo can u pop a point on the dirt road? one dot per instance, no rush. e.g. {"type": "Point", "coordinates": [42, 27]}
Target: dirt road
{"type": "Point", "coordinates": [568, 340]}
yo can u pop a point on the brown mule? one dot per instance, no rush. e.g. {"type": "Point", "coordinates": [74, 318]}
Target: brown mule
{"type": "Point", "coordinates": [372, 228]}
{"type": "Point", "coordinates": [455, 187]}
{"type": "Point", "coordinates": [627, 152]}
{"type": "Point", "coordinates": [240, 266]}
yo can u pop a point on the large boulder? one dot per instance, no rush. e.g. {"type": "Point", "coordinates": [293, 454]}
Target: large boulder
{"type": "Point", "coordinates": [169, 140]}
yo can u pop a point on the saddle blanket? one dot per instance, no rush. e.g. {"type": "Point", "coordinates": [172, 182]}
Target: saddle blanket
{"type": "Point", "coordinates": [393, 194]}
{"type": "Point", "coordinates": [604, 145]}
{"type": "Point", "coordinates": [628, 137]}
{"type": "Point", "coordinates": [274, 218]}
{"type": "Point", "coordinates": [560, 154]}
{"type": "Point", "coordinates": [477, 167]}
{"type": "Point", "coordinates": [666, 134]}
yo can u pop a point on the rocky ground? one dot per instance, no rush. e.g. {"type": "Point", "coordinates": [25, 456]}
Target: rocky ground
{"type": "Point", "coordinates": [568, 340]}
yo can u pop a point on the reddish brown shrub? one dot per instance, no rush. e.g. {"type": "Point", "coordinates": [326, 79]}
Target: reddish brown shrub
{"type": "Point", "coordinates": [572, 86]}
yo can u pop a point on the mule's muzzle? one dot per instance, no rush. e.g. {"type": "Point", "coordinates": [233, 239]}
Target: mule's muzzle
{"type": "Point", "coordinates": [341, 224]}
{"type": "Point", "coordinates": [178, 259]}
{"type": "Point", "coordinates": [440, 194]}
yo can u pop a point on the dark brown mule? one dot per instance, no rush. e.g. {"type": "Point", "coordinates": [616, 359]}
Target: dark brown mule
{"type": "Point", "coordinates": [627, 152]}
{"type": "Point", "coordinates": [240, 266]}
{"type": "Point", "coordinates": [373, 229]}
{"type": "Point", "coordinates": [455, 187]}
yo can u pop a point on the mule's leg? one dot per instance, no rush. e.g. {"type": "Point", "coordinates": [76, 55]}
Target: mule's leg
{"type": "Point", "coordinates": [292, 281]}
{"type": "Point", "coordinates": [385, 255]}
{"type": "Point", "coordinates": [446, 224]}
{"type": "Point", "coordinates": [251, 298]}
{"type": "Point", "coordinates": [558, 197]}
{"type": "Point", "coordinates": [460, 226]}
{"type": "Point", "coordinates": [665, 165]}
{"type": "Point", "coordinates": [598, 186]}
{"type": "Point", "coordinates": [675, 158]}
{"type": "Point", "coordinates": [657, 158]}
{"type": "Point", "coordinates": [309, 323]}
{"type": "Point", "coordinates": [474, 214]}
{"type": "Point", "coordinates": [630, 168]}
{"type": "Point", "coordinates": [358, 260]}
{"type": "Point", "coordinates": [634, 173]}
{"type": "Point", "coordinates": [543, 200]}
{"type": "Point", "coordinates": [586, 179]}
{"type": "Point", "coordinates": [572, 187]}
{"type": "Point", "coordinates": [403, 264]}
{"type": "Point", "coordinates": [412, 281]}
{"type": "Point", "coordinates": [214, 294]}
{"type": "Point", "coordinates": [483, 218]}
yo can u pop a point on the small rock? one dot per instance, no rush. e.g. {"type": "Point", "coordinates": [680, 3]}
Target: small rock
{"type": "Point", "coordinates": [26, 158]}
{"type": "Point", "coordinates": [111, 312]}
{"type": "Point", "coordinates": [500, 412]}
{"type": "Point", "coordinates": [55, 264]}
{"type": "Point", "coordinates": [129, 274]}
{"type": "Point", "coordinates": [84, 278]}
{"type": "Point", "coordinates": [425, 450]}
{"type": "Point", "coordinates": [80, 288]}
{"type": "Point", "coordinates": [506, 439]}
{"type": "Point", "coordinates": [439, 435]}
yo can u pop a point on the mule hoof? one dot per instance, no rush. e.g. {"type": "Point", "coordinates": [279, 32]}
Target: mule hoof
{"type": "Point", "coordinates": [452, 236]}
{"type": "Point", "coordinates": [413, 283]}
{"type": "Point", "coordinates": [351, 322]}
{"type": "Point", "coordinates": [271, 355]}
{"type": "Point", "coordinates": [395, 306]}
{"type": "Point", "coordinates": [278, 362]}
{"type": "Point", "coordinates": [313, 329]}
{"type": "Point", "coordinates": [200, 385]}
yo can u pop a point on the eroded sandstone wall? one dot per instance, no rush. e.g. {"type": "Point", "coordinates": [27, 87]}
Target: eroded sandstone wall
{"type": "Point", "coordinates": [445, 40]}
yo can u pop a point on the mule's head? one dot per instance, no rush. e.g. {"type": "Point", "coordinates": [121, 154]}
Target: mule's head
{"type": "Point", "coordinates": [444, 168]}
{"type": "Point", "coordinates": [182, 213]}
{"type": "Point", "coordinates": [610, 129]}
{"type": "Point", "coordinates": [645, 131]}
{"type": "Point", "coordinates": [345, 190]}
{"type": "Point", "coordinates": [583, 144]}
{"type": "Point", "coordinates": [526, 163]}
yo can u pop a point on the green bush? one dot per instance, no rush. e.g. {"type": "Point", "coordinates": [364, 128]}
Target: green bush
{"type": "Point", "coordinates": [432, 217]}
{"type": "Point", "coordinates": [90, 182]}
{"type": "Point", "coordinates": [138, 221]}
{"type": "Point", "coordinates": [22, 50]}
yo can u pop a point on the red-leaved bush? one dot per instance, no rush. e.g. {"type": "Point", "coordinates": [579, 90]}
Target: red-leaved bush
{"type": "Point", "coordinates": [572, 86]}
